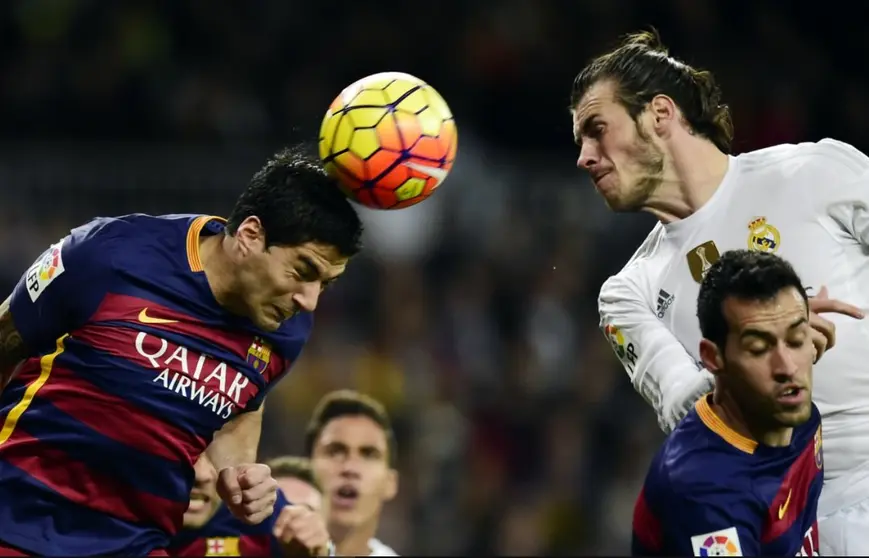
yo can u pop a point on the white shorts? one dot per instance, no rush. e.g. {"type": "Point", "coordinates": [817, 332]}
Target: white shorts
{"type": "Point", "coordinates": [845, 532]}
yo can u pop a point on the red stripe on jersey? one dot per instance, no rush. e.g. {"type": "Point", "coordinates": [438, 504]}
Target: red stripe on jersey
{"type": "Point", "coordinates": [793, 494]}
{"type": "Point", "coordinates": [9, 551]}
{"type": "Point", "coordinates": [115, 307]}
{"type": "Point", "coordinates": [81, 485]}
{"type": "Point", "coordinates": [157, 354]}
{"type": "Point", "coordinates": [255, 545]}
{"type": "Point", "coordinates": [134, 426]}
{"type": "Point", "coordinates": [647, 527]}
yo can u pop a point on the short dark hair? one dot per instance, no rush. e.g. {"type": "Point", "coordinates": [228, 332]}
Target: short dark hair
{"type": "Point", "coordinates": [297, 202]}
{"type": "Point", "coordinates": [344, 403]}
{"type": "Point", "coordinates": [641, 68]}
{"type": "Point", "coordinates": [743, 274]}
{"type": "Point", "coordinates": [294, 467]}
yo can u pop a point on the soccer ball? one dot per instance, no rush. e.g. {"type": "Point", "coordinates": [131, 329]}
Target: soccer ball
{"type": "Point", "coordinates": [389, 139]}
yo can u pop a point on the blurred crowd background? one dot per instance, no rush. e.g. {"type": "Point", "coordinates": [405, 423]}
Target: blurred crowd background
{"type": "Point", "coordinates": [472, 316]}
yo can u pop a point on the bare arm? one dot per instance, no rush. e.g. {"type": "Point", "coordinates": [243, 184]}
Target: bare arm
{"type": "Point", "coordinates": [12, 350]}
{"type": "Point", "coordinates": [236, 443]}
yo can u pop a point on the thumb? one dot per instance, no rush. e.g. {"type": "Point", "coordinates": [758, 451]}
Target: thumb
{"type": "Point", "coordinates": [822, 293]}
{"type": "Point", "coordinates": [228, 481]}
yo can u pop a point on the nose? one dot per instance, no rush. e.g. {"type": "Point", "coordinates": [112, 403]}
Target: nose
{"type": "Point", "coordinates": [204, 470]}
{"type": "Point", "coordinates": [784, 364]}
{"type": "Point", "coordinates": [308, 296]}
{"type": "Point", "coordinates": [588, 156]}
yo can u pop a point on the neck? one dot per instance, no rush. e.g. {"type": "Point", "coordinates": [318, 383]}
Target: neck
{"type": "Point", "coordinates": [217, 268]}
{"type": "Point", "coordinates": [353, 541]}
{"type": "Point", "coordinates": [734, 415]}
{"type": "Point", "coordinates": [693, 172]}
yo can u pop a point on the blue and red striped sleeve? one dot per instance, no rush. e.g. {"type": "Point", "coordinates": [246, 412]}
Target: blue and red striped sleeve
{"type": "Point", "coordinates": [695, 520]}
{"type": "Point", "coordinates": [64, 286]}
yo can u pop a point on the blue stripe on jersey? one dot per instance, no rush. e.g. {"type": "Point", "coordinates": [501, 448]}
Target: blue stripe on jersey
{"type": "Point", "coordinates": [81, 443]}
{"type": "Point", "coordinates": [134, 383]}
{"type": "Point", "coordinates": [58, 532]}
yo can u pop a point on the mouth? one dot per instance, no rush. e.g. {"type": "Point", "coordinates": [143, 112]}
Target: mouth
{"type": "Point", "coordinates": [792, 396]}
{"type": "Point", "coordinates": [345, 497]}
{"type": "Point", "coordinates": [199, 501]}
{"type": "Point", "coordinates": [598, 177]}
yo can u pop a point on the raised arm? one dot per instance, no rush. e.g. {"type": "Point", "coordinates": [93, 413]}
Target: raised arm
{"type": "Point", "coordinates": [659, 367]}
{"type": "Point", "coordinates": [12, 350]}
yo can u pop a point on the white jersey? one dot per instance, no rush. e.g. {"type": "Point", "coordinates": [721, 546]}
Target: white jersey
{"type": "Point", "coordinates": [808, 203]}
{"type": "Point", "coordinates": [380, 549]}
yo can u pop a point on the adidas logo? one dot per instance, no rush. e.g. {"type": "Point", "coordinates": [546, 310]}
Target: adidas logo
{"type": "Point", "coordinates": [665, 299]}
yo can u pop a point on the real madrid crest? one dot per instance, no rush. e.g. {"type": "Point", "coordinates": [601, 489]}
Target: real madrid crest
{"type": "Point", "coordinates": [762, 236]}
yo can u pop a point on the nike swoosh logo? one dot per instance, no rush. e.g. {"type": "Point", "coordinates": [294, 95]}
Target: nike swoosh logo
{"type": "Point", "coordinates": [146, 319]}
{"type": "Point", "coordinates": [434, 172]}
{"type": "Point", "coordinates": [784, 507]}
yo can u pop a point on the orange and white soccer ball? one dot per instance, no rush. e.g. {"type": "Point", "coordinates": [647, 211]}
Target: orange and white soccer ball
{"type": "Point", "coordinates": [389, 139]}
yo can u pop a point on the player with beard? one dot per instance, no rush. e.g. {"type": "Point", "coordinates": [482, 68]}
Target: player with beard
{"type": "Point", "coordinates": [741, 475]}
{"type": "Point", "coordinates": [655, 136]}
{"type": "Point", "coordinates": [353, 453]}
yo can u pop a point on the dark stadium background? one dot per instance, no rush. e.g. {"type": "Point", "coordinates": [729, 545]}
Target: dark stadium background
{"type": "Point", "coordinates": [471, 316]}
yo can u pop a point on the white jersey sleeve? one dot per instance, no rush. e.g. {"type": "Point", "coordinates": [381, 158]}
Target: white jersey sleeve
{"type": "Point", "coordinates": [660, 368]}
{"type": "Point", "coordinates": [844, 197]}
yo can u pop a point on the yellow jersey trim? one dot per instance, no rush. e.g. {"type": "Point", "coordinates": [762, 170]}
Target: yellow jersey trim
{"type": "Point", "coordinates": [46, 364]}
{"type": "Point", "coordinates": [193, 239]}
{"type": "Point", "coordinates": [714, 423]}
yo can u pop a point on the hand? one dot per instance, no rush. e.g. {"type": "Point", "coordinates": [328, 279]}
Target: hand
{"type": "Point", "coordinates": [249, 491]}
{"type": "Point", "coordinates": [823, 330]}
{"type": "Point", "coordinates": [302, 531]}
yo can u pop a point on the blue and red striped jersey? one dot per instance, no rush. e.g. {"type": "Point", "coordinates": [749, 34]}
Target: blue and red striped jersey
{"type": "Point", "coordinates": [225, 535]}
{"type": "Point", "coordinates": [712, 492]}
{"type": "Point", "coordinates": [135, 366]}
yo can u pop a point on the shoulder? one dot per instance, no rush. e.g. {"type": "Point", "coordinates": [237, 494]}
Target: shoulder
{"type": "Point", "coordinates": [633, 279]}
{"type": "Point", "coordinates": [695, 464]}
{"type": "Point", "coordinates": [827, 157]}
{"type": "Point", "coordinates": [380, 549]}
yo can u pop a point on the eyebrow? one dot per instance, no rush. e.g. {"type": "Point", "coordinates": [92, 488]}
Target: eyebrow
{"type": "Point", "coordinates": [312, 267]}
{"type": "Point", "coordinates": [751, 332]}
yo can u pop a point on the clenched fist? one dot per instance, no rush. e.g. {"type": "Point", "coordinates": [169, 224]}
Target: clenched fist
{"type": "Point", "coordinates": [302, 532]}
{"type": "Point", "coordinates": [249, 491]}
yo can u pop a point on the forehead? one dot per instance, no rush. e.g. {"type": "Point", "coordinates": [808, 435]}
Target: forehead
{"type": "Point", "coordinates": [777, 313]}
{"type": "Point", "coordinates": [356, 430]}
{"type": "Point", "coordinates": [299, 491]}
{"type": "Point", "coordinates": [599, 99]}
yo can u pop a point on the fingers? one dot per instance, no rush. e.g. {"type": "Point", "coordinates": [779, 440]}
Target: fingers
{"type": "Point", "coordinates": [819, 305]}
{"type": "Point", "coordinates": [823, 303]}
{"type": "Point", "coordinates": [302, 526]}
{"type": "Point", "coordinates": [252, 475]}
{"type": "Point", "coordinates": [819, 341]}
{"type": "Point", "coordinates": [228, 486]}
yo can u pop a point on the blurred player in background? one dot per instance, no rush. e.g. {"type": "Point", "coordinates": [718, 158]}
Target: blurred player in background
{"type": "Point", "coordinates": [742, 474]}
{"type": "Point", "coordinates": [353, 454]}
{"type": "Point", "coordinates": [145, 340]}
{"type": "Point", "coordinates": [211, 530]}
{"type": "Point", "coordinates": [654, 136]}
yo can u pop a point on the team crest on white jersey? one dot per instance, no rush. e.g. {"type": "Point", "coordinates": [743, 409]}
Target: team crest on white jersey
{"type": "Point", "coordinates": [700, 259]}
{"type": "Point", "coordinates": [762, 236]}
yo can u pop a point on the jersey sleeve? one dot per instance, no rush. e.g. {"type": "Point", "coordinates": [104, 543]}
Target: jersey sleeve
{"type": "Point", "coordinates": [63, 287]}
{"type": "Point", "coordinates": [659, 367]}
{"type": "Point", "coordinates": [844, 196]}
{"type": "Point", "coordinates": [715, 522]}
{"type": "Point", "coordinates": [277, 549]}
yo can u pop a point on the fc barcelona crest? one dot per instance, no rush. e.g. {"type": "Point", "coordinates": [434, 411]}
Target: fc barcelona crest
{"type": "Point", "coordinates": [258, 355]}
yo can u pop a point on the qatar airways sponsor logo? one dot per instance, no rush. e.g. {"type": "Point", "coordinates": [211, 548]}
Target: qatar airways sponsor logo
{"type": "Point", "coordinates": [206, 381]}
{"type": "Point", "coordinates": [810, 542]}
